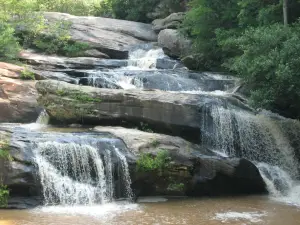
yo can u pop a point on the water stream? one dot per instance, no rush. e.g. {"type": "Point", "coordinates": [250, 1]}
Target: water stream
{"type": "Point", "coordinates": [79, 176]}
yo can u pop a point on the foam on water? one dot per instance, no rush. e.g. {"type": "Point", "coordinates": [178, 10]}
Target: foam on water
{"type": "Point", "coordinates": [96, 211]}
{"type": "Point", "coordinates": [253, 217]}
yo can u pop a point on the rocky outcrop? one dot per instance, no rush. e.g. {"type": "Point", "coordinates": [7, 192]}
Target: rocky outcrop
{"type": "Point", "coordinates": [18, 172]}
{"type": "Point", "coordinates": [18, 101]}
{"type": "Point", "coordinates": [189, 170]}
{"type": "Point", "coordinates": [46, 61]}
{"type": "Point", "coordinates": [175, 113]}
{"type": "Point", "coordinates": [173, 21]}
{"type": "Point", "coordinates": [192, 169]}
{"type": "Point", "coordinates": [173, 43]}
{"type": "Point", "coordinates": [110, 36]}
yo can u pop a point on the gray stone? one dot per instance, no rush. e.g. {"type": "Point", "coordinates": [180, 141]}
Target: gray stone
{"type": "Point", "coordinates": [110, 36]}
{"type": "Point", "coordinates": [173, 43]}
{"type": "Point", "coordinates": [173, 21]}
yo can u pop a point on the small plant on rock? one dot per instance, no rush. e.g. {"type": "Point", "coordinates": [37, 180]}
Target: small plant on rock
{"type": "Point", "coordinates": [4, 195]}
{"type": "Point", "coordinates": [148, 162]}
{"type": "Point", "coordinates": [27, 75]}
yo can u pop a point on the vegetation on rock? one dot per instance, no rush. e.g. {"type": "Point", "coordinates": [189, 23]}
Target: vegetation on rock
{"type": "Point", "coordinates": [4, 150]}
{"type": "Point", "coordinates": [148, 162]}
{"type": "Point", "coordinates": [4, 195]}
{"type": "Point", "coordinates": [27, 75]}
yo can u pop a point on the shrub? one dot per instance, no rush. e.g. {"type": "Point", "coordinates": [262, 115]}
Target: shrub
{"type": "Point", "coordinates": [147, 162]}
{"type": "Point", "coordinates": [4, 195]}
{"type": "Point", "coordinates": [269, 63]}
{"type": "Point", "coordinates": [27, 75]}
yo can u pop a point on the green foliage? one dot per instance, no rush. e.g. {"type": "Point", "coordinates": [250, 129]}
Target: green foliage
{"type": "Point", "coordinates": [145, 127]}
{"type": "Point", "coordinates": [4, 195]}
{"type": "Point", "coordinates": [27, 75]}
{"type": "Point", "coordinates": [178, 187]}
{"type": "Point", "coordinates": [9, 46]}
{"type": "Point", "coordinates": [270, 63]}
{"type": "Point", "coordinates": [148, 163]}
{"type": "Point", "coordinates": [4, 150]}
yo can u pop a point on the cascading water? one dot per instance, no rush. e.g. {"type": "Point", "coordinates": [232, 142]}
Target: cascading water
{"type": "Point", "coordinates": [259, 138]}
{"type": "Point", "coordinates": [78, 174]}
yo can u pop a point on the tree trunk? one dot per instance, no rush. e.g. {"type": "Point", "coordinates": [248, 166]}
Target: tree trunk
{"type": "Point", "coordinates": [285, 12]}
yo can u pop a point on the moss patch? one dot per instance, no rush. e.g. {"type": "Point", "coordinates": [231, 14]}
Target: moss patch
{"type": "Point", "coordinates": [78, 96]}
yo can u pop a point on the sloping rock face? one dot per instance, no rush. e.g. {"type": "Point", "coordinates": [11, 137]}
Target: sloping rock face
{"type": "Point", "coordinates": [173, 43]}
{"type": "Point", "coordinates": [192, 170]}
{"type": "Point", "coordinates": [110, 36]}
{"type": "Point", "coordinates": [18, 101]}
{"type": "Point", "coordinates": [174, 113]}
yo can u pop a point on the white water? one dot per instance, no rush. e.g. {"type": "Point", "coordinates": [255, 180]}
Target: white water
{"type": "Point", "coordinates": [253, 217]}
{"type": "Point", "coordinates": [144, 59]}
{"type": "Point", "coordinates": [260, 139]}
{"type": "Point", "coordinates": [75, 174]}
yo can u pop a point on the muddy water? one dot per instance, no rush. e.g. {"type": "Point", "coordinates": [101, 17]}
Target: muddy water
{"type": "Point", "coordinates": [234, 211]}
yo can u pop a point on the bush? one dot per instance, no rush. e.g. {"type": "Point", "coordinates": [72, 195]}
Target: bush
{"type": "Point", "coordinates": [4, 195]}
{"type": "Point", "coordinates": [27, 75]}
{"type": "Point", "coordinates": [270, 63]}
{"type": "Point", "coordinates": [147, 162]}
{"type": "Point", "coordinates": [9, 45]}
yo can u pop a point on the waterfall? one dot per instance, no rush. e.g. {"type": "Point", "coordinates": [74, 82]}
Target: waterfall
{"type": "Point", "coordinates": [145, 59]}
{"type": "Point", "coordinates": [78, 174]}
{"type": "Point", "coordinates": [43, 118]}
{"type": "Point", "coordinates": [259, 138]}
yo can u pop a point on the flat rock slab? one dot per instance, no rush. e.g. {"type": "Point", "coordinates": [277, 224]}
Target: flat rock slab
{"type": "Point", "coordinates": [65, 62]}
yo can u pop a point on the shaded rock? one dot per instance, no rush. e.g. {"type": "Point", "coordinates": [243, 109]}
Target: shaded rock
{"type": "Point", "coordinates": [173, 43]}
{"type": "Point", "coordinates": [18, 101]}
{"type": "Point", "coordinates": [75, 63]}
{"type": "Point", "coordinates": [167, 63]}
{"type": "Point", "coordinates": [190, 62]}
{"type": "Point", "coordinates": [110, 36]}
{"type": "Point", "coordinates": [95, 53]}
{"type": "Point", "coordinates": [176, 113]}
{"type": "Point", "coordinates": [193, 170]}
{"type": "Point", "coordinates": [44, 75]}
{"type": "Point", "coordinates": [173, 21]}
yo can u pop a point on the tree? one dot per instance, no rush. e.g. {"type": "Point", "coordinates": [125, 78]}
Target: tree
{"type": "Point", "coordinates": [285, 12]}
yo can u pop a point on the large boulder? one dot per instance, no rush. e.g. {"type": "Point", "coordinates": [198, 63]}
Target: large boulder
{"type": "Point", "coordinates": [18, 101]}
{"type": "Point", "coordinates": [192, 169]}
{"type": "Point", "coordinates": [110, 36]}
{"type": "Point", "coordinates": [173, 43]}
{"type": "Point", "coordinates": [173, 21]}
{"type": "Point", "coordinates": [175, 113]}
